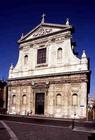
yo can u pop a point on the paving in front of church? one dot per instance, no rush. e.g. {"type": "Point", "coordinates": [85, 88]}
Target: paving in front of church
{"type": "Point", "coordinates": [37, 131]}
{"type": "Point", "coordinates": [4, 135]}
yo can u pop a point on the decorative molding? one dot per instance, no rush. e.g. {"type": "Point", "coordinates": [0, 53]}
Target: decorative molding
{"type": "Point", "coordinates": [40, 86]}
{"type": "Point", "coordinates": [85, 73]}
{"type": "Point", "coordinates": [42, 31]}
{"type": "Point", "coordinates": [36, 82]}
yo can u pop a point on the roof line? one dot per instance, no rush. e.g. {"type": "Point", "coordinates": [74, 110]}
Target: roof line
{"type": "Point", "coordinates": [43, 24]}
{"type": "Point", "coordinates": [23, 41]}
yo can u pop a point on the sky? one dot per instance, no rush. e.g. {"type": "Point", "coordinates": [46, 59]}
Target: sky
{"type": "Point", "coordinates": [21, 16]}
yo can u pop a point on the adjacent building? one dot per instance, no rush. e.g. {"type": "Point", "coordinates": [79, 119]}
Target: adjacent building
{"type": "Point", "coordinates": [91, 108]}
{"type": "Point", "coordinates": [3, 96]}
{"type": "Point", "coordinates": [91, 103]}
{"type": "Point", "coordinates": [49, 79]}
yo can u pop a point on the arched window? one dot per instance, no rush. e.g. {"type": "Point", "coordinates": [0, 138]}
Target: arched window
{"type": "Point", "coordinates": [59, 53]}
{"type": "Point", "coordinates": [75, 99]}
{"type": "Point", "coordinates": [25, 59]}
{"type": "Point", "coordinates": [24, 99]}
{"type": "Point", "coordinates": [58, 99]}
{"type": "Point", "coordinates": [14, 99]}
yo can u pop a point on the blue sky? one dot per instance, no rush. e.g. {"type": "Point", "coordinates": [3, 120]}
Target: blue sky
{"type": "Point", "coordinates": [20, 16]}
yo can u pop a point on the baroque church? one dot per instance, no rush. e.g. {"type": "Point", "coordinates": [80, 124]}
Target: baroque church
{"type": "Point", "coordinates": [49, 79]}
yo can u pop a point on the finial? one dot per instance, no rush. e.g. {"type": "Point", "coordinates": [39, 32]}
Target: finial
{"type": "Point", "coordinates": [83, 54]}
{"type": "Point", "coordinates": [67, 21]}
{"type": "Point", "coordinates": [11, 67]}
{"type": "Point", "coordinates": [43, 18]}
{"type": "Point", "coordinates": [22, 36]}
{"type": "Point", "coordinates": [72, 46]}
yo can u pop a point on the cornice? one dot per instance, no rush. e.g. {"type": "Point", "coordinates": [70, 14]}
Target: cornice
{"type": "Point", "coordinates": [51, 75]}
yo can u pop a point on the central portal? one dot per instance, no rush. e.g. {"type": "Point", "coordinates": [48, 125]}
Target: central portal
{"type": "Point", "coordinates": [39, 103]}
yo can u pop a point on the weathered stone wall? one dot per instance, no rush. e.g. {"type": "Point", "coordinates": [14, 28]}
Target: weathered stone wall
{"type": "Point", "coordinates": [66, 86]}
{"type": "Point", "coordinates": [59, 78]}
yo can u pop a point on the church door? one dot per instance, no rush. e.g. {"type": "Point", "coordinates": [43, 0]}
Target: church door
{"type": "Point", "coordinates": [39, 103]}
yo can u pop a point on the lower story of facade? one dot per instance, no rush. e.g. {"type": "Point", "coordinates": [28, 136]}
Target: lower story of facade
{"type": "Point", "coordinates": [63, 96]}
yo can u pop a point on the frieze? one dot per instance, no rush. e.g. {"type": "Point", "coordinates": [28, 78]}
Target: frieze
{"type": "Point", "coordinates": [19, 83]}
{"type": "Point", "coordinates": [37, 85]}
{"type": "Point", "coordinates": [73, 78]}
{"type": "Point", "coordinates": [67, 81]}
{"type": "Point", "coordinates": [40, 41]}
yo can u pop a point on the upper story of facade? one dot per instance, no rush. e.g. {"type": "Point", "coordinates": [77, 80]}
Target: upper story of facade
{"type": "Point", "coordinates": [47, 49]}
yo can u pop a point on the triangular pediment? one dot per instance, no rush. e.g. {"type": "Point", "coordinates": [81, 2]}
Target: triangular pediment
{"type": "Point", "coordinates": [42, 30]}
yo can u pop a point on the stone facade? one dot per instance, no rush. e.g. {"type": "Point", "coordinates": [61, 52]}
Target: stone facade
{"type": "Point", "coordinates": [53, 81]}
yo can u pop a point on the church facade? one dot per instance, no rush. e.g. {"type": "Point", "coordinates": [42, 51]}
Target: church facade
{"type": "Point", "coordinates": [49, 79]}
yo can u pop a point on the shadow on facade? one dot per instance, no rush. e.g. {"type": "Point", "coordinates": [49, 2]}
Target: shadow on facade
{"type": "Point", "coordinates": [92, 137]}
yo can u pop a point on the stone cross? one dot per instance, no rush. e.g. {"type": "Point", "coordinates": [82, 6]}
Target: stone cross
{"type": "Point", "coordinates": [43, 18]}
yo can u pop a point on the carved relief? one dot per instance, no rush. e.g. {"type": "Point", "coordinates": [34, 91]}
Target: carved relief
{"type": "Point", "coordinates": [42, 31]}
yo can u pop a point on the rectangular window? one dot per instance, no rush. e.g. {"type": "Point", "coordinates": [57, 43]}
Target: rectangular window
{"type": "Point", "coordinates": [41, 56]}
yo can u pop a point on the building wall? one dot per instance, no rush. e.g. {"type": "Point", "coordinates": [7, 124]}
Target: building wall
{"type": "Point", "coordinates": [58, 78]}
{"type": "Point", "coordinates": [67, 63]}
{"type": "Point", "coordinates": [51, 86]}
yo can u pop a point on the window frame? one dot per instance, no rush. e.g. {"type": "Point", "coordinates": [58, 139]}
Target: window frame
{"type": "Point", "coordinates": [42, 64]}
{"type": "Point", "coordinates": [25, 59]}
{"type": "Point", "coordinates": [58, 52]}
{"type": "Point", "coordinates": [41, 56]}
{"type": "Point", "coordinates": [24, 103]}
{"type": "Point", "coordinates": [74, 103]}
{"type": "Point", "coordinates": [13, 99]}
{"type": "Point", "coordinates": [57, 102]}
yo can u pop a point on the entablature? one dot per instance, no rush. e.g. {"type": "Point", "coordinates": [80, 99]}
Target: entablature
{"type": "Point", "coordinates": [62, 79]}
